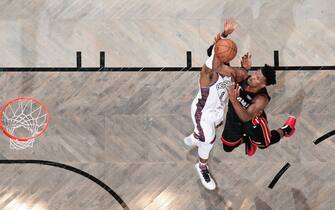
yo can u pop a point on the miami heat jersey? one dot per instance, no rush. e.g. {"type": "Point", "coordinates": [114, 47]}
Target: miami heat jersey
{"type": "Point", "coordinates": [245, 99]}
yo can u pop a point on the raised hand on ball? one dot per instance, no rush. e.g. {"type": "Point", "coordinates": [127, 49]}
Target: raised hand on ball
{"type": "Point", "coordinates": [229, 26]}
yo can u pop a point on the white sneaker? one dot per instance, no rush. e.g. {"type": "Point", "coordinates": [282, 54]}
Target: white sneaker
{"type": "Point", "coordinates": [191, 141]}
{"type": "Point", "coordinates": [205, 177]}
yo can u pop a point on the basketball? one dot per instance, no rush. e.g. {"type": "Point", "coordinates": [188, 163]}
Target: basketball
{"type": "Point", "coordinates": [225, 50]}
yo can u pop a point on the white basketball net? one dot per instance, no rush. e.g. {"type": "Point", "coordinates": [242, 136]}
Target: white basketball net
{"type": "Point", "coordinates": [23, 118]}
{"type": "Point", "coordinates": [18, 145]}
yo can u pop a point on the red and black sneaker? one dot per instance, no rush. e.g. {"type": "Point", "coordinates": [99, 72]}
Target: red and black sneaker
{"type": "Point", "coordinates": [289, 126]}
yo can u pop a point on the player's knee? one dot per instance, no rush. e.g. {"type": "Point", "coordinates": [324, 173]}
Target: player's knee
{"type": "Point", "coordinates": [204, 149]}
{"type": "Point", "coordinates": [209, 133]}
{"type": "Point", "coordinates": [210, 138]}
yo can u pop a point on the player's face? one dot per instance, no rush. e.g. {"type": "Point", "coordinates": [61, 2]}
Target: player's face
{"type": "Point", "coordinates": [257, 79]}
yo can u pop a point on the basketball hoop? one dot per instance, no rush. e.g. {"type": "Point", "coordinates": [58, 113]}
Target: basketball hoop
{"type": "Point", "coordinates": [23, 120]}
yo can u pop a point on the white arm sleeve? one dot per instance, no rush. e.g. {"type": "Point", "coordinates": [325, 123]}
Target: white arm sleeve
{"type": "Point", "coordinates": [209, 61]}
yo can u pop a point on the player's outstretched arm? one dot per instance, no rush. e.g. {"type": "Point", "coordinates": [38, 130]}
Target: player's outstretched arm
{"type": "Point", "coordinates": [222, 69]}
{"type": "Point", "coordinates": [229, 27]}
{"type": "Point", "coordinates": [242, 73]}
{"type": "Point", "coordinates": [238, 74]}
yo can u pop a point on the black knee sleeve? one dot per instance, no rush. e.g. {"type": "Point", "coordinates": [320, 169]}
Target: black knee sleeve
{"type": "Point", "coordinates": [275, 137]}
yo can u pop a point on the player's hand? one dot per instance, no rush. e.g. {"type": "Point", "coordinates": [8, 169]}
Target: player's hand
{"type": "Point", "coordinates": [229, 26]}
{"type": "Point", "coordinates": [233, 92]}
{"type": "Point", "coordinates": [246, 61]}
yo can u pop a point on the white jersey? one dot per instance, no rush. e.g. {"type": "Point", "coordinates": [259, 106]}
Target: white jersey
{"type": "Point", "coordinates": [217, 95]}
{"type": "Point", "coordinates": [207, 109]}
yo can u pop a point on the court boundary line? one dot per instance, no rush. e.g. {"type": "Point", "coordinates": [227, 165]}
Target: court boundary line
{"type": "Point", "coordinates": [73, 169]}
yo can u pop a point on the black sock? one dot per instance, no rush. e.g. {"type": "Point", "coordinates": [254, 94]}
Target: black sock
{"type": "Point", "coordinates": [286, 129]}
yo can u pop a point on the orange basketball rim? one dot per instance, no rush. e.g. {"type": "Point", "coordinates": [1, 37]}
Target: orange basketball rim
{"type": "Point", "coordinates": [23, 119]}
